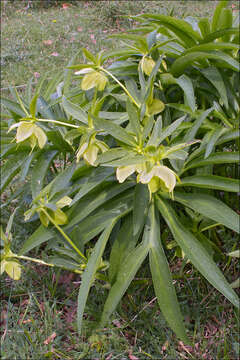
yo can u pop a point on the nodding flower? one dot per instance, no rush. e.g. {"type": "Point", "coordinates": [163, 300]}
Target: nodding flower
{"type": "Point", "coordinates": [89, 150]}
{"type": "Point", "coordinates": [92, 78]}
{"type": "Point", "coordinates": [159, 177]}
{"type": "Point", "coordinates": [29, 130]}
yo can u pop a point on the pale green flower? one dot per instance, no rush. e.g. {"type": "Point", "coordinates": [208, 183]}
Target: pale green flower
{"type": "Point", "coordinates": [29, 130]}
{"type": "Point", "coordinates": [89, 151]}
{"type": "Point", "coordinates": [147, 64]}
{"type": "Point", "coordinates": [158, 176]}
{"type": "Point", "coordinates": [93, 78]}
{"type": "Point", "coordinates": [123, 172]}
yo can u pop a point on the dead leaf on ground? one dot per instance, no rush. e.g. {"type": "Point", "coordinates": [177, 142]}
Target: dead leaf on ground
{"type": "Point", "coordinates": [47, 42]}
{"type": "Point", "coordinates": [131, 356]}
{"type": "Point", "coordinates": [50, 339]}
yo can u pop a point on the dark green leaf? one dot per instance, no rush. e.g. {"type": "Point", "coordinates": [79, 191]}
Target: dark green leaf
{"type": "Point", "coordinates": [40, 170]}
{"type": "Point", "coordinates": [216, 158]}
{"type": "Point", "coordinates": [182, 62]}
{"type": "Point", "coordinates": [74, 110]}
{"type": "Point", "coordinates": [89, 274]}
{"type": "Point", "coordinates": [196, 252]}
{"type": "Point", "coordinates": [140, 208]}
{"type": "Point", "coordinates": [162, 280]}
{"type": "Point", "coordinates": [211, 182]}
{"type": "Point", "coordinates": [115, 130]}
{"type": "Point", "coordinates": [210, 207]}
{"type": "Point", "coordinates": [186, 84]}
{"type": "Point", "coordinates": [98, 176]}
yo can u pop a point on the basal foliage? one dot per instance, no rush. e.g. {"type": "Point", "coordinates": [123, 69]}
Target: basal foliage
{"type": "Point", "coordinates": [141, 146]}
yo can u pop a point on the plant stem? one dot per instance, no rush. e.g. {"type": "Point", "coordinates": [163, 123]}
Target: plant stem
{"type": "Point", "coordinates": [210, 227]}
{"type": "Point", "coordinates": [58, 122]}
{"type": "Point", "coordinates": [64, 235]}
{"type": "Point", "coordinates": [22, 257]}
{"type": "Point", "coordinates": [122, 86]}
{"type": "Point", "coordinates": [41, 262]}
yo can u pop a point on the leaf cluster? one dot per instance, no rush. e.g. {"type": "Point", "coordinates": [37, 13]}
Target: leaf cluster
{"type": "Point", "coordinates": [127, 152]}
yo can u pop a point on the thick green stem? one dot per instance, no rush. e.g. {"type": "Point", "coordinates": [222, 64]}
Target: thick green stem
{"type": "Point", "coordinates": [210, 227]}
{"type": "Point", "coordinates": [58, 122]}
{"type": "Point", "coordinates": [64, 235]}
{"type": "Point", "coordinates": [122, 86]}
{"type": "Point", "coordinates": [41, 262]}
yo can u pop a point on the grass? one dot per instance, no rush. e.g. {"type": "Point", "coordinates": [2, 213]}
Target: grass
{"type": "Point", "coordinates": [38, 312]}
{"type": "Point", "coordinates": [38, 316]}
{"type": "Point", "coordinates": [36, 41]}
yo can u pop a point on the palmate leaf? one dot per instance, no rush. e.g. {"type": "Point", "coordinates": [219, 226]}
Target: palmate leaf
{"type": "Point", "coordinates": [89, 225]}
{"type": "Point", "coordinates": [191, 133]}
{"type": "Point", "coordinates": [11, 168]}
{"type": "Point", "coordinates": [92, 201]}
{"type": "Point", "coordinates": [94, 224]}
{"type": "Point", "coordinates": [213, 138]}
{"type": "Point", "coordinates": [217, 14]}
{"type": "Point", "coordinates": [190, 59]}
{"type": "Point", "coordinates": [180, 27]}
{"type": "Point", "coordinates": [40, 171]}
{"type": "Point", "coordinates": [97, 177]}
{"type": "Point", "coordinates": [33, 105]}
{"type": "Point", "coordinates": [216, 158]}
{"type": "Point", "coordinates": [122, 245]}
{"type": "Point", "coordinates": [74, 110]}
{"type": "Point", "coordinates": [195, 252]}
{"type": "Point", "coordinates": [133, 118]}
{"type": "Point", "coordinates": [169, 129]}
{"type": "Point", "coordinates": [111, 155]}
{"type": "Point", "coordinates": [211, 182]}
{"type": "Point", "coordinates": [140, 208]}
{"type": "Point", "coordinates": [13, 106]}
{"type": "Point", "coordinates": [115, 130]}
{"type": "Point", "coordinates": [211, 207]}
{"type": "Point", "coordinates": [186, 84]}
{"type": "Point", "coordinates": [228, 136]}
{"type": "Point", "coordinates": [62, 181]}
{"type": "Point", "coordinates": [44, 108]}
{"type": "Point", "coordinates": [162, 280]}
{"type": "Point", "coordinates": [213, 46]}
{"type": "Point", "coordinates": [90, 272]}
{"type": "Point", "coordinates": [214, 76]}
{"type": "Point", "coordinates": [128, 160]}
{"type": "Point", "coordinates": [220, 33]}
{"type": "Point", "coordinates": [126, 273]}
{"type": "Point", "coordinates": [156, 131]}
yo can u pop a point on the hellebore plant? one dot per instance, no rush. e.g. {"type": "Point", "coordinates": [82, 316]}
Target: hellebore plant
{"type": "Point", "coordinates": [139, 148]}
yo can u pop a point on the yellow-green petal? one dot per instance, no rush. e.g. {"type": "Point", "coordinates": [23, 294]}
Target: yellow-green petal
{"type": "Point", "coordinates": [65, 201]}
{"type": "Point", "coordinates": [90, 156]}
{"type": "Point", "coordinates": [145, 177]}
{"type": "Point", "coordinates": [2, 266]}
{"type": "Point", "coordinates": [123, 172]}
{"type": "Point", "coordinates": [102, 146]}
{"type": "Point", "coordinates": [24, 131]}
{"type": "Point", "coordinates": [40, 135]}
{"type": "Point", "coordinates": [60, 217]}
{"type": "Point", "coordinates": [166, 175]}
{"type": "Point", "coordinates": [13, 269]}
{"type": "Point", "coordinates": [101, 81]}
{"type": "Point", "coordinates": [155, 107]}
{"type": "Point", "coordinates": [13, 126]}
{"type": "Point", "coordinates": [81, 150]}
{"type": "Point", "coordinates": [154, 184]}
{"type": "Point", "coordinates": [147, 64]}
{"type": "Point", "coordinates": [43, 218]}
{"type": "Point", "coordinates": [89, 80]}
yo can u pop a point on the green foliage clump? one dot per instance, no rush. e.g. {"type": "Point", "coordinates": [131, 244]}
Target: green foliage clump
{"type": "Point", "coordinates": [144, 147]}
